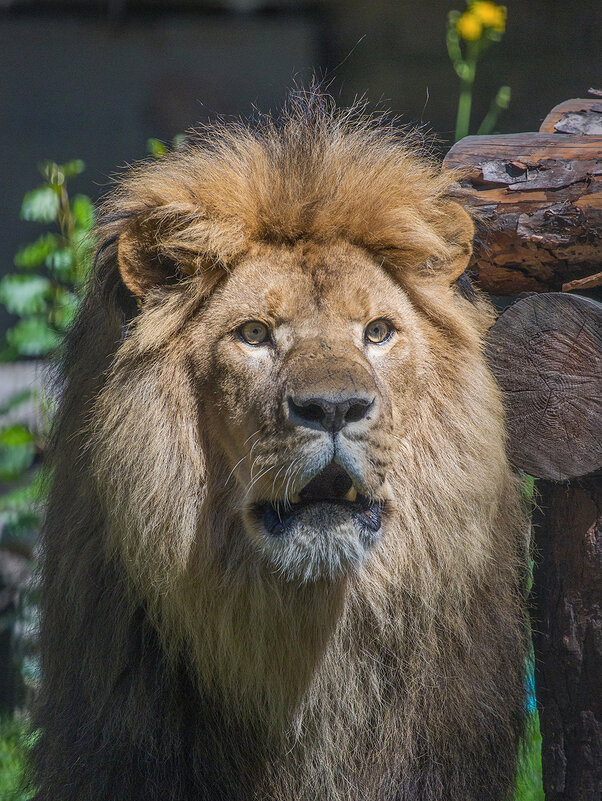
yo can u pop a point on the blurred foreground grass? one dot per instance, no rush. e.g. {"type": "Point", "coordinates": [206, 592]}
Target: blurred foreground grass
{"type": "Point", "coordinates": [528, 783]}
{"type": "Point", "coordinates": [15, 739]}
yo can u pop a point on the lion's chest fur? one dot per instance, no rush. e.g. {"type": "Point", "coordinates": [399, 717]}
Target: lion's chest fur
{"type": "Point", "coordinates": [329, 723]}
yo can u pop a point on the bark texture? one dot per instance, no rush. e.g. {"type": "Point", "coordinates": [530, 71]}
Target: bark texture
{"type": "Point", "coordinates": [538, 203]}
{"type": "Point", "coordinates": [577, 116]}
{"type": "Point", "coordinates": [568, 638]}
{"type": "Point", "coordinates": [537, 199]}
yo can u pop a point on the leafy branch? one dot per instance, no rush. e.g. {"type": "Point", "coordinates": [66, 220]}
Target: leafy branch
{"type": "Point", "coordinates": [43, 294]}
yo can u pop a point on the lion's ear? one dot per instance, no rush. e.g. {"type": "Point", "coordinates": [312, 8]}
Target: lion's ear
{"type": "Point", "coordinates": [145, 258]}
{"type": "Point", "coordinates": [455, 228]}
{"type": "Point", "coordinates": [169, 243]}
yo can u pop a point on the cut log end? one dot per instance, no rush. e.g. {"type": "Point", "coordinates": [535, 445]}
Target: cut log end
{"type": "Point", "coordinates": [546, 353]}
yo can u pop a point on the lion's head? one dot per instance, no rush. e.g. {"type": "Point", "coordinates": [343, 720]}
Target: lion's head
{"type": "Point", "coordinates": [302, 280]}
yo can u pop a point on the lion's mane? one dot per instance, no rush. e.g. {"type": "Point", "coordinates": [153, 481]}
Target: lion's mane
{"type": "Point", "coordinates": [167, 675]}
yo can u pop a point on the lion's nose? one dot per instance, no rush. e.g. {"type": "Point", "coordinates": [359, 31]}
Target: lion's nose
{"type": "Point", "coordinates": [331, 415]}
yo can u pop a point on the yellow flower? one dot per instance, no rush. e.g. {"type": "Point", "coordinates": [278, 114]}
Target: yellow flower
{"type": "Point", "coordinates": [469, 27]}
{"type": "Point", "coordinates": [490, 14]}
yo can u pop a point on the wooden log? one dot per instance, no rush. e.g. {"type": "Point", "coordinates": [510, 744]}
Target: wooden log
{"type": "Point", "coordinates": [538, 203]}
{"type": "Point", "coordinates": [546, 353]}
{"type": "Point", "coordinates": [567, 633]}
{"type": "Point", "coordinates": [577, 116]}
{"type": "Point", "coordinates": [583, 283]}
{"type": "Point", "coordinates": [538, 200]}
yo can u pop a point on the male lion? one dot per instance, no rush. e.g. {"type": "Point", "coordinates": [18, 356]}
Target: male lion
{"type": "Point", "coordinates": [284, 548]}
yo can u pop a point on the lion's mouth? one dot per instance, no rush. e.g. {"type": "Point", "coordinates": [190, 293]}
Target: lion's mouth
{"type": "Point", "coordinates": [332, 486]}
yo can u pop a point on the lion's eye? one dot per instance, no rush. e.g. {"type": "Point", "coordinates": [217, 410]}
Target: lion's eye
{"type": "Point", "coordinates": [254, 332]}
{"type": "Point", "coordinates": [378, 331]}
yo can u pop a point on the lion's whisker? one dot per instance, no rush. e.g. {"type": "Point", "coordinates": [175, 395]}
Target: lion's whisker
{"type": "Point", "coordinates": [242, 458]}
{"type": "Point", "coordinates": [256, 479]}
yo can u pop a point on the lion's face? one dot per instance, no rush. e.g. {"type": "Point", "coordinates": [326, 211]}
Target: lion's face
{"type": "Point", "coordinates": [301, 383]}
{"type": "Point", "coordinates": [307, 363]}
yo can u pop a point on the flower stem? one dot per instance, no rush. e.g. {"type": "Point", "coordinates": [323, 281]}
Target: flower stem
{"type": "Point", "coordinates": [466, 85]}
{"type": "Point", "coordinates": [499, 103]}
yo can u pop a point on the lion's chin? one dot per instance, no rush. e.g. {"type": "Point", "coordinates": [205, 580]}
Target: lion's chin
{"type": "Point", "coordinates": [313, 541]}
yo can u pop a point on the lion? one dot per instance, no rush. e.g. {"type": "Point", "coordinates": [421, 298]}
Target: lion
{"type": "Point", "coordinates": [284, 550]}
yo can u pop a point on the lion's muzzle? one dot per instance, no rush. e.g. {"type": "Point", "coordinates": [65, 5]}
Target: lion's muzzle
{"type": "Point", "coordinates": [323, 531]}
{"type": "Point", "coordinates": [323, 518]}
{"type": "Point", "coordinates": [330, 413]}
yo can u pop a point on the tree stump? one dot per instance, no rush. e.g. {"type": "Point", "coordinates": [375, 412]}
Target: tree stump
{"type": "Point", "coordinates": [546, 353]}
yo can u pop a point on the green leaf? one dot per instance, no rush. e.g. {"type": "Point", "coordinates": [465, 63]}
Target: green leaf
{"type": "Point", "coordinates": [26, 495]}
{"type": "Point", "coordinates": [35, 254]}
{"type": "Point", "coordinates": [156, 148]}
{"type": "Point", "coordinates": [17, 500]}
{"type": "Point", "coordinates": [24, 294]}
{"type": "Point", "coordinates": [61, 263]}
{"type": "Point", "coordinates": [72, 168]}
{"type": "Point", "coordinates": [20, 527]}
{"type": "Point", "coordinates": [17, 451]}
{"type": "Point", "coordinates": [52, 173]}
{"type": "Point", "coordinates": [83, 212]}
{"type": "Point", "coordinates": [32, 337]}
{"type": "Point", "coordinates": [15, 435]}
{"type": "Point", "coordinates": [66, 304]}
{"type": "Point", "coordinates": [40, 205]}
{"type": "Point", "coordinates": [23, 498]}
{"type": "Point", "coordinates": [8, 353]}
{"type": "Point", "coordinates": [14, 750]}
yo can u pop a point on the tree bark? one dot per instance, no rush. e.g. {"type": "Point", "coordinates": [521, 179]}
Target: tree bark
{"type": "Point", "coordinates": [537, 199]}
{"type": "Point", "coordinates": [577, 116]}
{"type": "Point", "coordinates": [567, 630]}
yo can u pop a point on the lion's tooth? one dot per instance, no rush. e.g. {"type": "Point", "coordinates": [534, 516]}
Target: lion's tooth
{"type": "Point", "coordinates": [295, 499]}
{"type": "Point", "coordinates": [351, 494]}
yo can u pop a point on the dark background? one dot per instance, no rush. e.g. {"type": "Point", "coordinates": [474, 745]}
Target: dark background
{"type": "Point", "coordinates": [93, 80]}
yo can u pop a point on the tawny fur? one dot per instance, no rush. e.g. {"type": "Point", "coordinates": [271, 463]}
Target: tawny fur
{"type": "Point", "coordinates": [179, 662]}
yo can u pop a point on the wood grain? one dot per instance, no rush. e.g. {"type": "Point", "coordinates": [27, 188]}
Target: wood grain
{"type": "Point", "coordinates": [546, 353]}
{"type": "Point", "coordinates": [583, 283]}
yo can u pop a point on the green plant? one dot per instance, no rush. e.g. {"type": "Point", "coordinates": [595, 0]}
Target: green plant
{"type": "Point", "coordinates": [528, 781]}
{"type": "Point", "coordinates": [43, 294]}
{"type": "Point", "coordinates": [50, 270]}
{"type": "Point", "coordinates": [156, 148]}
{"type": "Point", "coordinates": [469, 34]}
{"type": "Point", "coordinates": [15, 742]}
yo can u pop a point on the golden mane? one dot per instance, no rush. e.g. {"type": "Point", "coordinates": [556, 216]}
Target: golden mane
{"type": "Point", "coordinates": [315, 173]}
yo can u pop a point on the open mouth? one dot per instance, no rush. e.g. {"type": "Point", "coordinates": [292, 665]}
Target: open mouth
{"type": "Point", "coordinates": [331, 486]}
